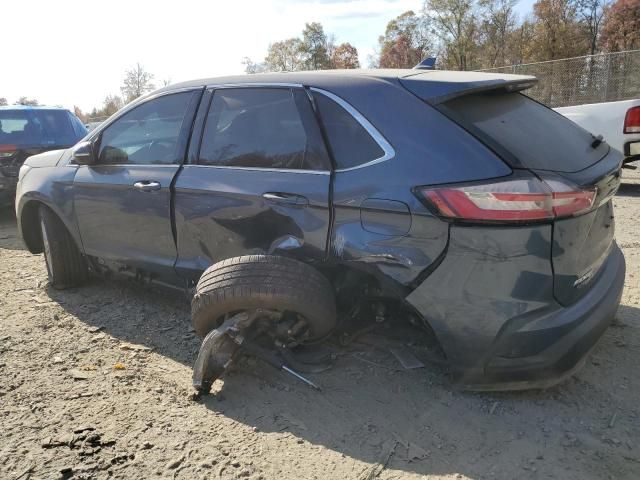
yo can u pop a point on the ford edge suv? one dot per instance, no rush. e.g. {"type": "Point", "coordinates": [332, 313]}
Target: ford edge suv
{"type": "Point", "coordinates": [449, 197]}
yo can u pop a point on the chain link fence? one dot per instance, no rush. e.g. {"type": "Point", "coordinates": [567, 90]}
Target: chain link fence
{"type": "Point", "coordinates": [605, 77]}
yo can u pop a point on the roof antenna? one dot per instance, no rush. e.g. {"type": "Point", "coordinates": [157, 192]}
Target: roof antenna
{"type": "Point", "coordinates": [426, 64]}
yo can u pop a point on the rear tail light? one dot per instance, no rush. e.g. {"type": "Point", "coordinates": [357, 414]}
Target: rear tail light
{"type": "Point", "coordinates": [632, 120]}
{"type": "Point", "coordinates": [7, 151]}
{"type": "Point", "coordinates": [517, 200]}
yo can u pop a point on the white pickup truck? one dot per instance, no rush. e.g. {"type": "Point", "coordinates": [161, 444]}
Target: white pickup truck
{"type": "Point", "coordinates": [617, 122]}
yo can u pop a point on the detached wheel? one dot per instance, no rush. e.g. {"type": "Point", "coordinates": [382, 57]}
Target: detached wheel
{"type": "Point", "coordinates": [66, 266]}
{"type": "Point", "coordinates": [297, 291]}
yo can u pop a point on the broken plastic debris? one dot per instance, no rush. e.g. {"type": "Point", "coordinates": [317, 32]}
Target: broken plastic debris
{"type": "Point", "coordinates": [406, 358]}
{"type": "Point", "coordinates": [134, 347]}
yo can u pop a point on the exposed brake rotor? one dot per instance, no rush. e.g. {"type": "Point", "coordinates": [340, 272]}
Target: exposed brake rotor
{"type": "Point", "coordinates": [239, 334]}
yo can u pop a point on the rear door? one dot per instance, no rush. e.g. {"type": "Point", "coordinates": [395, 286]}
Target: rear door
{"type": "Point", "coordinates": [258, 182]}
{"type": "Point", "coordinates": [123, 202]}
{"type": "Point", "coordinates": [531, 136]}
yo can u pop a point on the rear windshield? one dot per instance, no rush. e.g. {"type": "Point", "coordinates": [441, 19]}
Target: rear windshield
{"type": "Point", "coordinates": [535, 135]}
{"type": "Point", "coordinates": [37, 128]}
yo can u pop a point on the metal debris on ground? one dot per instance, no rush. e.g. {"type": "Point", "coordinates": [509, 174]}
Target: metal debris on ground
{"type": "Point", "coordinates": [406, 358]}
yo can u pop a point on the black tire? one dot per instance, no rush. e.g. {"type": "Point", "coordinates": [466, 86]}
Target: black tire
{"type": "Point", "coordinates": [66, 266]}
{"type": "Point", "coordinates": [264, 281]}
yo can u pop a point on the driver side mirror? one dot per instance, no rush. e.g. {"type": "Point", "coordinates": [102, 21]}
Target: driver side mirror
{"type": "Point", "coordinates": [83, 154]}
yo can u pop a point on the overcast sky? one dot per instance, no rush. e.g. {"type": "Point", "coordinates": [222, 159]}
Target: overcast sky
{"type": "Point", "coordinates": [75, 52]}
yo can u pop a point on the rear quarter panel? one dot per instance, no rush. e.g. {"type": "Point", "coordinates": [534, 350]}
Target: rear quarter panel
{"type": "Point", "coordinates": [429, 149]}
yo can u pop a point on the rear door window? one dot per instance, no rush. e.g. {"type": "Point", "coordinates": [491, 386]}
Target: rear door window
{"type": "Point", "coordinates": [350, 142]}
{"type": "Point", "coordinates": [535, 135]}
{"type": "Point", "coordinates": [262, 128]}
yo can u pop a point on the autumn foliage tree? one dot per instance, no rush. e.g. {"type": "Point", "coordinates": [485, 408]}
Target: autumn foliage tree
{"type": "Point", "coordinates": [621, 29]}
{"type": "Point", "coordinates": [405, 42]}
{"type": "Point", "coordinates": [344, 55]}
{"type": "Point", "coordinates": [285, 56]}
{"type": "Point", "coordinates": [314, 50]}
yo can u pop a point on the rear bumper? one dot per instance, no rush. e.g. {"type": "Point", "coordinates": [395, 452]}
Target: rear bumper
{"type": "Point", "coordinates": [492, 307]}
{"type": "Point", "coordinates": [561, 345]}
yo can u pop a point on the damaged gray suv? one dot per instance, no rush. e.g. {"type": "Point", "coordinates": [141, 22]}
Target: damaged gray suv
{"type": "Point", "coordinates": [449, 198]}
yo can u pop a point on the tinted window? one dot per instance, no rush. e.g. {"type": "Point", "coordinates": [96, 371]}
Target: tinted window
{"type": "Point", "coordinates": [37, 127]}
{"type": "Point", "coordinates": [148, 134]}
{"type": "Point", "coordinates": [536, 135]}
{"type": "Point", "coordinates": [262, 127]}
{"type": "Point", "coordinates": [350, 143]}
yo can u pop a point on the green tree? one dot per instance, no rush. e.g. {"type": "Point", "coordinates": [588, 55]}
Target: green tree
{"type": "Point", "coordinates": [137, 81]}
{"type": "Point", "coordinates": [315, 47]}
{"type": "Point", "coordinates": [345, 55]}
{"type": "Point", "coordinates": [405, 42]}
{"type": "Point", "coordinates": [285, 56]}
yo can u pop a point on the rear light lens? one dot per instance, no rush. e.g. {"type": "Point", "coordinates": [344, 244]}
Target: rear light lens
{"type": "Point", "coordinates": [7, 151]}
{"type": "Point", "coordinates": [518, 200]}
{"type": "Point", "coordinates": [632, 120]}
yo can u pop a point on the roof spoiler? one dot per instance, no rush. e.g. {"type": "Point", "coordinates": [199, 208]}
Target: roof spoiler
{"type": "Point", "coordinates": [441, 86]}
{"type": "Point", "coordinates": [428, 63]}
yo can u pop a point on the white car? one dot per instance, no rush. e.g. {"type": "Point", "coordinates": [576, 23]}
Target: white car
{"type": "Point", "coordinates": [617, 122]}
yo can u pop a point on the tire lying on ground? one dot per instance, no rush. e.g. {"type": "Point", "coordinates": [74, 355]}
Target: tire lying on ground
{"type": "Point", "coordinates": [66, 266]}
{"type": "Point", "coordinates": [264, 281]}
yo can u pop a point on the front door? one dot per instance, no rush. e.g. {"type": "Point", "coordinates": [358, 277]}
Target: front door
{"type": "Point", "coordinates": [123, 202]}
{"type": "Point", "coordinates": [259, 183]}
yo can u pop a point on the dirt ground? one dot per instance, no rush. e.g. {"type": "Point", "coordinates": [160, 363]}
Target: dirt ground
{"type": "Point", "coordinates": [76, 402]}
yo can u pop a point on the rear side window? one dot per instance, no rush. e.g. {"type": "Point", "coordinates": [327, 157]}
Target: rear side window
{"type": "Point", "coordinates": [262, 128]}
{"type": "Point", "coordinates": [535, 135]}
{"type": "Point", "coordinates": [350, 142]}
{"type": "Point", "coordinates": [37, 127]}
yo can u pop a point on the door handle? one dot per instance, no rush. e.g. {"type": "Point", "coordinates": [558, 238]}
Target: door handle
{"type": "Point", "coordinates": [147, 186]}
{"type": "Point", "coordinates": [286, 199]}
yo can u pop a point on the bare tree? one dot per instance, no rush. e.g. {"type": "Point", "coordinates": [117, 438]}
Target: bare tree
{"type": "Point", "coordinates": [591, 14]}
{"type": "Point", "coordinates": [497, 26]}
{"type": "Point", "coordinates": [253, 67]}
{"type": "Point", "coordinates": [27, 101]}
{"type": "Point", "coordinates": [137, 82]}
{"type": "Point", "coordinates": [3, 102]}
{"type": "Point", "coordinates": [455, 22]}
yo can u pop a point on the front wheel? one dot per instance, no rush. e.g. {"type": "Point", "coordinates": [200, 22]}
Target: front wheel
{"type": "Point", "coordinates": [66, 266]}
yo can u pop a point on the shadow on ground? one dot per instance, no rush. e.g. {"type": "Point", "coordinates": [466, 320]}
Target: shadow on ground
{"type": "Point", "coordinates": [9, 238]}
{"type": "Point", "coordinates": [629, 190]}
{"type": "Point", "coordinates": [369, 406]}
